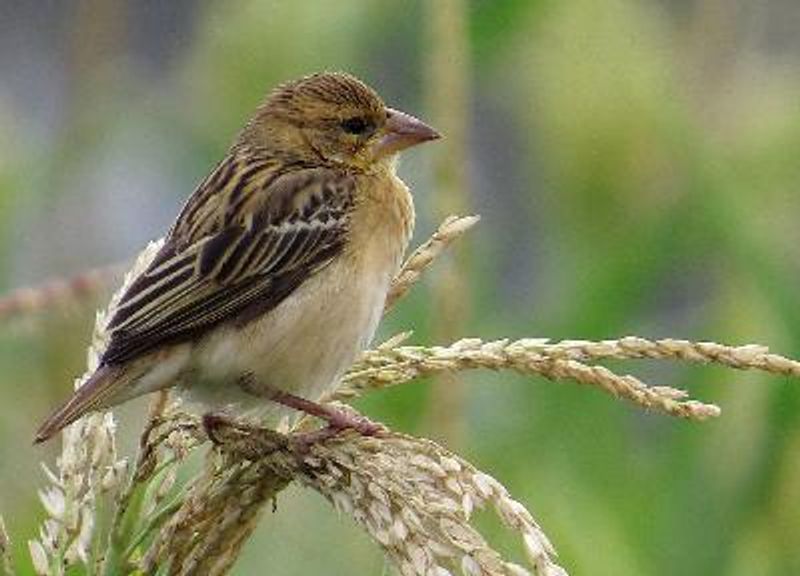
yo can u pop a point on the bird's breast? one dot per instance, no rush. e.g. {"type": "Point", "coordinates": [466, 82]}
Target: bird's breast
{"type": "Point", "coordinates": [305, 344]}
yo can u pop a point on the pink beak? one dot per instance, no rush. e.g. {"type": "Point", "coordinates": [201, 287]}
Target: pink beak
{"type": "Point", "coordinates": [403, 131]}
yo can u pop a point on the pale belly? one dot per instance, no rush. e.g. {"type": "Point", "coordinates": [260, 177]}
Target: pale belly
{"type": "Point", "coordinates": [303, 346]}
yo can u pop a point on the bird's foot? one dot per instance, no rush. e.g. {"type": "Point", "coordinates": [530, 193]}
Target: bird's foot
{"type": "Point", "coordinates": [213, 424]}
{"type": "Point", "coordinates": [302, 442]}
{"type": "Point", "coordinates": [254, 442]}
{"type": "Point", "coordinates": [246, 440]}
{"type": "Point", "coordinates": [218, 427]}
{"type": "Point", "coordinates": [339, 421]}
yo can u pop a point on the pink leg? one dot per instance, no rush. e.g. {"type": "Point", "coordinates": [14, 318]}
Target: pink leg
{"type": "Point", "coordinates": [337, 420]}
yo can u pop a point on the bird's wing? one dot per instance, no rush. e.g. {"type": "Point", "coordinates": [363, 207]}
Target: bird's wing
{"type": "Point", "coordinates": [233, 256]}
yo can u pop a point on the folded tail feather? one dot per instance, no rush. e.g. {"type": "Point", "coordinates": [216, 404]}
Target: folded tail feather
{"type": "Point", "coordinates": [87, 398]}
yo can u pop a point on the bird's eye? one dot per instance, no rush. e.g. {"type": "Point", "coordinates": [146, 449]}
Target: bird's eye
{"type": "Point", "coordinates": [356, 125]}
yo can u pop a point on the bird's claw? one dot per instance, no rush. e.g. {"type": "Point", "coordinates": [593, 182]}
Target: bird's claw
{"type": "Point", "coordinates": [337, 423]}
{"type": "Point", "coordinates": [212, 423]}
{"type": "Point", "coordinates": [340, 421]}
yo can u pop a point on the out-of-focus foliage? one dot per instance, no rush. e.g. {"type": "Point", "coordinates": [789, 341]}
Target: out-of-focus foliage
{"type": "Point", "coordinates": [635, 164]}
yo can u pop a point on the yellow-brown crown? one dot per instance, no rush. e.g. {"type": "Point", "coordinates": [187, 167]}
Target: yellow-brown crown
{"type": "Point", "coordinates": [332, 119]}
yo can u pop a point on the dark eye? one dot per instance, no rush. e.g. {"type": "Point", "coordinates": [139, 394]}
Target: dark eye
{"type": "Point", "coordinates": [356, 125]}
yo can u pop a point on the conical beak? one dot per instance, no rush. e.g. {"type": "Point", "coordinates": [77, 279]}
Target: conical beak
{"type": "Point", "coordinates": [402, 131]}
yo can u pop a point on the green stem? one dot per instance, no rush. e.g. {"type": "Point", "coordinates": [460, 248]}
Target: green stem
{"type": "Point", "coordinates": [128, 507]}
{"type": "Point", "coordinates": [152, 524]}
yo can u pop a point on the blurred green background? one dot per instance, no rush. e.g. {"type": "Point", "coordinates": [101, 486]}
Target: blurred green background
{"type": "Point", "coordinates": [636, 166]}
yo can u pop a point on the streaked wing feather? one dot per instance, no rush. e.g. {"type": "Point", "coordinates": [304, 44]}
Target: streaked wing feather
{"type": "Point", "coordinates": [292, 229]}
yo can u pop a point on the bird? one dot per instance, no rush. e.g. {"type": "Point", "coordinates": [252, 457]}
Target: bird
{"type": "Point", "coordinates": [274, 275]}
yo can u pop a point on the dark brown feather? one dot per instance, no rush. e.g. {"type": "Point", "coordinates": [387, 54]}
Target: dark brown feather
{"type": "Point", "coordinates": [298, 225]}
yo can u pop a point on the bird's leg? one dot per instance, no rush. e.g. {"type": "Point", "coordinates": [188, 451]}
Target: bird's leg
{"type": "Point", "coordinates": [337, 420]}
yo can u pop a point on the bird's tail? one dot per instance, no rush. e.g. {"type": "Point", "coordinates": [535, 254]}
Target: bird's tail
{"type": "Point", "coordinates": [90, 396]}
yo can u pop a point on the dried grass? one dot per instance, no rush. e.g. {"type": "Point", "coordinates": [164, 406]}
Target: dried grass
{"type": "Point", "coordinates": [414, 498]}
{"type": "Point", "coordinates": [450, 230]}
{"type": "Point", "coordinates": [59, 293]}
{"type": "Point", "coordinates": [6, 563]}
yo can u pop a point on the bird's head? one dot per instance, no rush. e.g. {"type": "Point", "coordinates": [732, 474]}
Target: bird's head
{"type": "Point", "coordinates": [334, 119]}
